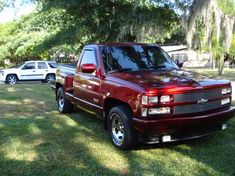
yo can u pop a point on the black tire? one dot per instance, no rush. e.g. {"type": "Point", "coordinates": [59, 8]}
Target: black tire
{"type": "Point", "coordinates": [63, 105]}
{"type": "Point", "coordinates": [49, 78]}
{"type": "Point", "coordinates": [11, 79]}
{"type": "Point", "coordinates": [129, 138]}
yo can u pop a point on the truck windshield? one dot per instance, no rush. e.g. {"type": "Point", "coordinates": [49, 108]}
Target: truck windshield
{"type": "Point", "coordinates": [132, 58]}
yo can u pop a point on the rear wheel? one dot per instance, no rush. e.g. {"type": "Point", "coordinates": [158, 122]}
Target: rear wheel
{"type": "Point", "coordinates": [121, 130]}
{"type": "Point", "coordinates": [64, 106]}
{"type": "Point", "coordinates": [50, 77]}
{"type": "Point", "coordinates": [11, 79]}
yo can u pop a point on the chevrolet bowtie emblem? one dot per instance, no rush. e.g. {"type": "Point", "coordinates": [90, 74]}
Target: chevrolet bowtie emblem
{"type": "Point", "coordinates": [201, 101]}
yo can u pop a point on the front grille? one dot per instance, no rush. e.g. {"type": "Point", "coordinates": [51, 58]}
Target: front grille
{"type": "Point", "coordinates": [195, 96]}
{"type": "Point", "coordinates": [210, 94]}
{"type": "Point", "coordinates": [194, 108]}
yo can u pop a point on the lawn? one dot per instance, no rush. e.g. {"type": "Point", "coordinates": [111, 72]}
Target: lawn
{"type": "Point", "coordinates": [36, 140]}
{"type": "Point", "coordinates": [229, 73]}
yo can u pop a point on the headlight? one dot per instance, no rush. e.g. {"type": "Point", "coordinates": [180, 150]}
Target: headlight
{"type": "Point", "coordinates": [1, 73]}
{"type": "Point", "coordinates": [149, 100]}
{"type": "Point", "coordinates": [165, 99]}
{"type": "Point", "coordinates": [226, 90]}
{"type": "Point", "coordinates": [153, 100]}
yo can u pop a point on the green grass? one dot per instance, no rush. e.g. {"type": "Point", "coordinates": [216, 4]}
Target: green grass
{"type": "Point", "coordinates": [36, 140]}
{"type": "Point", "coordinates": [228, 73]}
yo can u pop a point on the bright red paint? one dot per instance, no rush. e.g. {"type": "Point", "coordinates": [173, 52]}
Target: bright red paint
{"type": "Point", "coordinates": [92, 91]}
{"type": "Point", "coordinates": [88, 68]}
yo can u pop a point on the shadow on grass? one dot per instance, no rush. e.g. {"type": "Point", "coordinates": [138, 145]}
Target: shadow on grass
{"type": "Point", "coordinates": [57, 150]}
{"type": "Point", "coordinates": [38, 140]}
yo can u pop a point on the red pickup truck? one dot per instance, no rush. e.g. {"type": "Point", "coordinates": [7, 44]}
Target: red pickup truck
{"type": "Point", "coordinates": [142, 94]}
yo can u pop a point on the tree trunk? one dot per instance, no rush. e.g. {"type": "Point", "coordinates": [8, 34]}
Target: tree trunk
{"type": "Point", "coordinates": [221, 66]}
{"type": "Point", "coordinates": [213, 63]}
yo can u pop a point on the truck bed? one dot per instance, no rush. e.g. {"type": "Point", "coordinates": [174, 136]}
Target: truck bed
{"type": "Point", "coordinates": [68, 69]}
{"type": "Point", "coordinates": [64, 71]}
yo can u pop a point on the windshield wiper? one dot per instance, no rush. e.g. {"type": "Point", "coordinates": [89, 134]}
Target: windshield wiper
{"type": "Point", "coordinates": [121, 70]}
{"type": "Point", "coordinates": [162, 66]}
{"type": "Point", "coordinates": [158, 66]}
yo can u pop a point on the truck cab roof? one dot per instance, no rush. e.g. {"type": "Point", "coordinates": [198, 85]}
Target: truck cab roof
{"type": "Point", "coordinates": [120, 44]}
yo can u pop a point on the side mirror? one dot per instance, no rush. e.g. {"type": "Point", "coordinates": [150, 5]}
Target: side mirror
{"type": "Point", "coordinates": [180, 63]}
{"type": "Point", "coordinates": [88, 68]}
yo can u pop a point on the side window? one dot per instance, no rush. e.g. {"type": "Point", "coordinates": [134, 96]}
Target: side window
{"type": "Point", "coordinates": [89, 57]}
{"type": "Point", "coordinates": [29, 66]}
{"type": "Point", "coordinates": [42, 65]}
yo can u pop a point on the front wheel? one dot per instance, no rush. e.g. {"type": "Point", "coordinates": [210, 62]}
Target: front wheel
{"type": "Point", "coordinates": [64, 106]}
{"type": "Point", "coordinates": [11, 79]}
{"type": "Point", "coordinates": [121, 130]}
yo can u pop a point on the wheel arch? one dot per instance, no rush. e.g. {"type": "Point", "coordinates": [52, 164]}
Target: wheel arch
{"type": "Point", "coordinates": [12, 74]}
{"type": "Point", "coordinates": [50, 74]}
{"type": "Point", "coordinates": [109, 103]}
{"type": "Point", "coordinates": [57, 86]}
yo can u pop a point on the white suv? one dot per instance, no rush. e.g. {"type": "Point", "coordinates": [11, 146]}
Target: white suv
{"type": "Point", "coordinates": [30, 71]}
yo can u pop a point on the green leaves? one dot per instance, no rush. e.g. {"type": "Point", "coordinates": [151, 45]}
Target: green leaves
{"type": "Point", "coordinates": [227, 6]}
{"type": "Point", "coordinates": [65, 26]}
{"type": "Point", "coordinates": [232, 48]}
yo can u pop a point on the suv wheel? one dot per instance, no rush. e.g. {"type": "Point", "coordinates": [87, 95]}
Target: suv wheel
{"type": "Point", "coordinates": [64, 106]}
{"type": "Point", "coordinates": [50, 78]}
{"type": "Point", "coordinates": [121, 130]}
{"type": "Point", "coordinates": [11, 79]}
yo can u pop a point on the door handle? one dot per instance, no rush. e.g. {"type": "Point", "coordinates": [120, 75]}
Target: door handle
{"type": "Point", "coordinates": [46, 70]}
{"type": "Point", "coordinates": [34, 71]}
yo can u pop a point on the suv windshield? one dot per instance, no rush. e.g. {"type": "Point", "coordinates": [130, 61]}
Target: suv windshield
{"type": "Point", "coordinates": [128, 58]}
{"type": "Point", "coordinates": [53, 64]}
{"type": "Point", "coordinates": [18, 65]}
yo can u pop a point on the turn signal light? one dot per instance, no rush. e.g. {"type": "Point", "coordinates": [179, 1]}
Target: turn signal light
{"type": "Point", "coordinates": [225, 101]}
{"type": "Point", "coordinates": [162, 110]}
{"type": "Point", "coordinates": [144, 112]}
{"type": "Point", "coordinates": [144, 100]}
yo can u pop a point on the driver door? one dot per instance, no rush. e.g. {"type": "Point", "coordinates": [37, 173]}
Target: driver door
{"type": "Point", "coordinates": [86, 92]}
{"type": "Point", "coordinates": [28, 71]}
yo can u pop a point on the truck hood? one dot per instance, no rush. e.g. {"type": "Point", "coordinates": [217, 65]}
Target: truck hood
{"type": "Point", "coordinates": [169, 79]}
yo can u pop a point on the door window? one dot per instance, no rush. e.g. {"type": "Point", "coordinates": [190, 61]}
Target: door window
{"type": "Point", "coordinates": [29, 66]}
{"type": "Point", "coordinates": [89, 57]}
{"type": "Point", "coordinates": [42, 65]}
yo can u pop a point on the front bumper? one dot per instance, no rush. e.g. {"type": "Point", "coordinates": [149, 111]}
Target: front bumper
{"type": "Point", "coordinates": [152, 131]}
{"type": "Point", "coordinates": [2, 78]}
